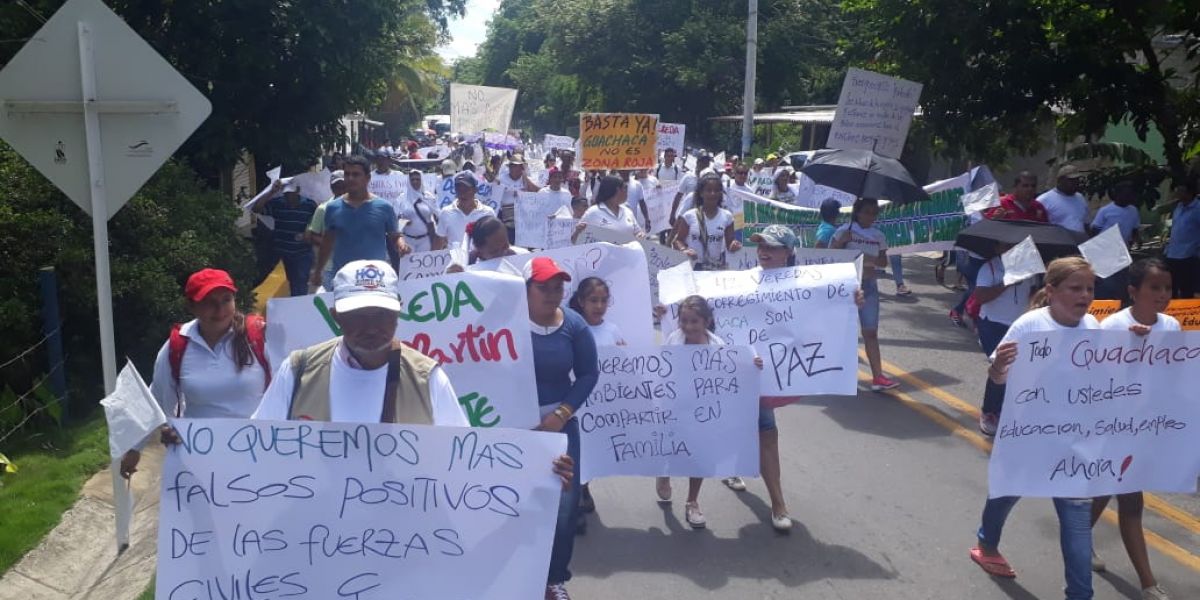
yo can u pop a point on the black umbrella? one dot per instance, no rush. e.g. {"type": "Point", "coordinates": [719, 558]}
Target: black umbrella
{"type": "Point", "coordinates": [1052, 241]}
{"type": "Point", "coordinates": [864, 174]}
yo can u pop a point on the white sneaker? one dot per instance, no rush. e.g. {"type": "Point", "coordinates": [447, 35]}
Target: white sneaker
{"type": "Point", "coordinates": [1155, 593]}
{"type": "Point", "coordinates": [694, 517]}
{"type": "Point", "coordinates": [1098, 564]}
{"type": "Point", "coordinates": [734, 483]}
{"type": "Point", "coordinates": [662, 485]}
{"type": "Point", "coordinates": [781, 522]}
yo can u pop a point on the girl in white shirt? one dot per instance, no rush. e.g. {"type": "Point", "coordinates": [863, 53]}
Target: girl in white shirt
{"type": "Point", "coordinates": [608, 209]}
{"type": "Point", "coordinates": [705, 232]}
{"type": "Point", "coordinates": [591, 302]}
{"type": "Point", "coordinates": [860, 234]}
{"type": "Point", "coordinates": [218, 374]}
{"type": "Point", "coordinates": [1061, 305]}
{"type": "Point", "coordinates": [1150, 289]}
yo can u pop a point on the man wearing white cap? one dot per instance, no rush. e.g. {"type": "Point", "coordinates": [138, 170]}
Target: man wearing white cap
{"type": "Point", "coordinates": [1065, 206]}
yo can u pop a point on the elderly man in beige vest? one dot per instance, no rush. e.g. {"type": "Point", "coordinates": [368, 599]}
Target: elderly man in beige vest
{"type": "Point", "coordinates": [365, 376]}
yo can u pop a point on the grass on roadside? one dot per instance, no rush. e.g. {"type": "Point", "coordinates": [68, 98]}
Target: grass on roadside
{"type": "Point", "coordinates": [53, 468]}
{"type": "Point", "coordinates": [149, 593]}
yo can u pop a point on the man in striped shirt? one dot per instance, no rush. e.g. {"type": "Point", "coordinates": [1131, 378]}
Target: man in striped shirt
{"type": "Point", "coordinates": [292, 214]}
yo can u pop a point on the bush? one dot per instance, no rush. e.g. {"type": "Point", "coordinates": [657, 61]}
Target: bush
{"type": "Point", "coordinates": [169, 229]}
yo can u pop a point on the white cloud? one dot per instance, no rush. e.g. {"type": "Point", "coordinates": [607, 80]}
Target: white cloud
{"type": "Point", "coordinates": [469, 31]}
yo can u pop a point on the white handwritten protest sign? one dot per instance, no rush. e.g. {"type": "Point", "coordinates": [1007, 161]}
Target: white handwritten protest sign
{"type": "Point", "coordinates": [444, 187]}
{"type": "Point", "coordinates": [658, 205]}
{"type": "Point", "coordinates": [488, 193]}
{"type": "Point", "coordinates": [558, 232]}
{"type": "Point", "coordinates": [476, 108]}
{"type": "Point", "coordinates": [623, 268]}
{"type": "Point", "coordinates": [533, 213]}
{"type": "Point", "coordinates": [559, 142]}
{"type": "Point", "coordinates": [1095, 413]}
{"type": "Point", "coordinates": [593, 233]}
{"type": "Point", "coordinates": [874, 112]}
{"type": "Point", "coordinates": [671, 410]}
{"type": "Point", "coordinates": [475, 324]}
{"type": "Point", "coordinates": [802, 320]}
{"type": "Point", "coordinates": [659, 257]}
{"type": "Point", "coordinates": [670, 135]}
{"type": "Point", "coordinates": [421, 265]}
{"type": "Point", "coordinates": [270, 509]}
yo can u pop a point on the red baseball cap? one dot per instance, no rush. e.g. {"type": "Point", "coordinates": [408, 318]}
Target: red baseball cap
{"type": "Point", "coordinates": [204, 281]}
{"type": "Point", "coordinates": [543, 269]}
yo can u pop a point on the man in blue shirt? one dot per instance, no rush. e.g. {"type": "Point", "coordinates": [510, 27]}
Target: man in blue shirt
{"type": "Point", "coordinates": [291, 213]}
{"type": "Point", "coordinates": [1183, 249]}
{"type": "Point", "coordinates": [358, 225]}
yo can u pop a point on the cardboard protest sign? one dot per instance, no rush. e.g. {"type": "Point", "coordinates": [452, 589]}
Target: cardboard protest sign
{"type": "Point", "coordinates": [270, 509]}
{"type": "Point", "coordinates": [475, 324]}
{"type": "Point", "coordinates": [1102, 309]}
{"type": "Point", "coordinates": [874, 112]}
{"type": "Point", "coordinates": [559, 142]}
{"type": "Point", "coordinates": [623, 268]}
{"type": "Point", "coordinates": [422, 265]}
{"type": "Point", "coordinates": [801, 320]}
{"type": "Point", "coordinates": [533, 212]}
{"type": "Point", "coordinates": [1095, 413]}
{"type": "Point", "coordinates": [618, 140]}
{"type": "Point", "coordinates": [476, 108]}
{"type": "Point", "coordinates": [670, 135]}
{"type": "Point", "coordinates": [671, 410]}
{"type": "Point", "coordinates": [1187, 312]}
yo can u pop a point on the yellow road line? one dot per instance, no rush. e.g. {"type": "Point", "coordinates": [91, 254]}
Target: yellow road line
{"type": "Point", "coordinates": [1154, 503]}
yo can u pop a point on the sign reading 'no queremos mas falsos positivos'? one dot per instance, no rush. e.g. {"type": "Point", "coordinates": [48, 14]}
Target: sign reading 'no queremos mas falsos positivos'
{"type": "Point", "coordinates": [618, 140]}
{"type": "Point", "coordinates": [270, 509]}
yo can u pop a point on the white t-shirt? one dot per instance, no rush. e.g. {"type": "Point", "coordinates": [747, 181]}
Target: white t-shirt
{"type": "Point", "coordinates": [356, 395]}
{"type": "Point", "coordinates": [715, 228]}
{"type": "Point", "coordinates": [417, 209]}
{"type": "Point", "coordinates": [511, 187]}
{"type": "Point", "coordinates": [1039, 319]}
{"type": "Point", "coordinates": [677, 337]}
{"type": "Point", "coordinates": [210, 384]}
{"type": "Point", "coordinates": [788, 197]}
{"type": "Point", "coordinates": [870, 241]}
{"type": "Point", "coordinates": [623, 221]}
{"type": "Point", "coordinates": [1012, 303]}
{"type": "Point", "coordinates": [1063, 210]}
{"type": "Point", "coordinates": [391, 186]}
{"type": "Point", "coordinates": [634, 196]}
{"type": "Point", "coordinates": [607, 334]}
{"type": "Point", "coordinates": [1125, 217]}
{"type": "Point", "coordinates": [452, 222]}
{"type": "Point", "coordinates": [667, 172]}
{"type": "Point", "coordinates": [562, 196]}
{"type": "Point", "coordinates": [1123, 320]}
{"type": "Point", "coordinates": [734, 186]}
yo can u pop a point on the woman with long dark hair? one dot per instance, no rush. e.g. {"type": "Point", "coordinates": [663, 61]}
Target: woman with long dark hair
{"type": "Point", "coordinates": [608, 209]}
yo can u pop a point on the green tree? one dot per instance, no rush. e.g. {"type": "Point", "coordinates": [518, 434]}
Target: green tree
{"type": "Point", "coordinates": [993, 70]}
{"type": "Point", "coordinates": [279, 74]}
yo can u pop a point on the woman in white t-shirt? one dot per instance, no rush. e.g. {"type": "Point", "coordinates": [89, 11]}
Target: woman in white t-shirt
{"type": "Point", "coordinates": [608, 209]}
{"type": "Point", "coordinates": [1061, 305]}
{"type": "Point", "coordinates": [999, 306]}
{"type": "Point", "coordinates": [782, 190]}
{"type": "Point", "coordinates": [1150, 290]}
{"type": "Point", "coordinates": [419, 212]}
{"type": "Point", "coordinates": [705, 232]}
{"type": "Point", "coordinates": [860, 234]}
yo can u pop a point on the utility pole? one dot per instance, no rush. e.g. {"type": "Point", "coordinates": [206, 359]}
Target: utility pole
{"type": "Point", "coordinates": [751, 68]}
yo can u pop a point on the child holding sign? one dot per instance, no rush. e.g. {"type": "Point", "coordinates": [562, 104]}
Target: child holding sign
{"type": "Point", "coordinates": [1150, 289]}
{"type": "Point", "coordinates": [1062, 304]}
{"type": "Point", "coordinates": [860, 234]}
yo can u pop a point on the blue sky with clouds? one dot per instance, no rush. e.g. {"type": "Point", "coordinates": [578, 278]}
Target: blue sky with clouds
{"type": "Point", "coordinates": [469, 31]}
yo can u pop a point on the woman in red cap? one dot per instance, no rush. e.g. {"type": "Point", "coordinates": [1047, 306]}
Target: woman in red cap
{"type": "Point", "coordinates": [562, 347]}
{"type": "Point", "coordinates": [213, 366]}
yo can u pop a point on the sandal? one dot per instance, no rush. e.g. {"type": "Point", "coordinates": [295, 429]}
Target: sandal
{"type": "Point", "coordinates": [994, 565]}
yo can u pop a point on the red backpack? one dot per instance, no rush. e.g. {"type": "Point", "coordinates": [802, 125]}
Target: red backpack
{"type": "Point", "coordinates": [255, 332]}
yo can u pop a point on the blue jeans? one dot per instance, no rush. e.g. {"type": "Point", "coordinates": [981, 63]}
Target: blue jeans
{"type": "Point", "coordinates": [971, 272]}
{"type": "Point", "coordinates": [568, 511]}
{"type": "Point", "coordinates": [897, 269]}
{"type": "Point", "coordinates": [990, 334]}
{"type": "Point", "coordinates": [298, 267]}
{"type": "Point", "coordinates": [1074, 532]}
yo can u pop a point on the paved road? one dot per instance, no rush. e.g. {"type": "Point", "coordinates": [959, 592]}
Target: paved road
{"type": "Point", "coordinates": [886, 490]}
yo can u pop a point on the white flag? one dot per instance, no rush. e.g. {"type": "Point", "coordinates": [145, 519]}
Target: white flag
{"type": "Point", "coordinates": [1107, 252]}
{"type": "Point", "coordinates": [131, 411]}
{"type": "Point", "coordinates": [1022, 262]}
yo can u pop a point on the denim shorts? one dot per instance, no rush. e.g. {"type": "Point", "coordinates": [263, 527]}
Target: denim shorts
{"type": "Point", "coordinates": [766, 419]}
{"type": "Point", "coordinates": [868, 315]}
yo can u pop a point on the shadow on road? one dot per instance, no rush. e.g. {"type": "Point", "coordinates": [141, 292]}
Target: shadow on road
{"type": "Point", "coordinates": [757, 552]}
{"type": "Point", "coordinates": [877, 414]}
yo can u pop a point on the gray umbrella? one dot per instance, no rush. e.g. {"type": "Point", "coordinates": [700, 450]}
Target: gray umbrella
{"type": "Point", "coordinates": [864, 174]}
